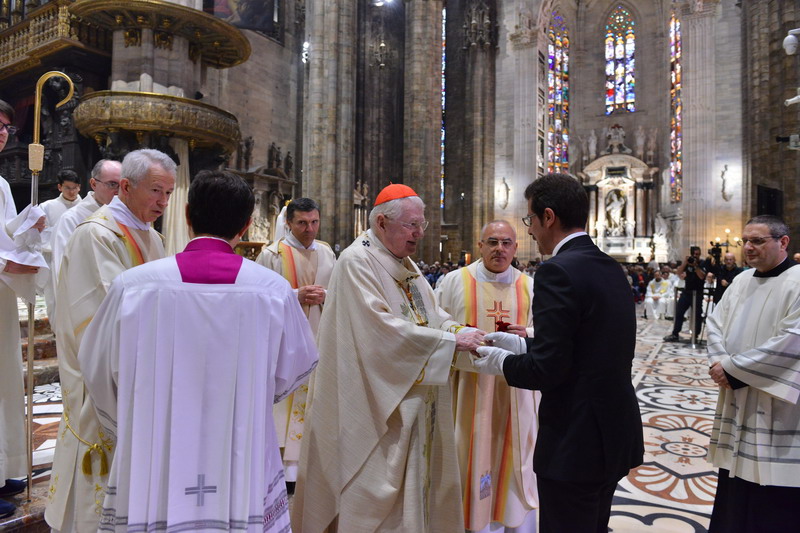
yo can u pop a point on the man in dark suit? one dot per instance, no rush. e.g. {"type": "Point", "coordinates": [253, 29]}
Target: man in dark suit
{"type": "Point", "coordinates": [590, 428]}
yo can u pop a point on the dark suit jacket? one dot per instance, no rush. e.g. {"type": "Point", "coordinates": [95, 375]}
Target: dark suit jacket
{"type": "Point", "coordinates": [590, 428]}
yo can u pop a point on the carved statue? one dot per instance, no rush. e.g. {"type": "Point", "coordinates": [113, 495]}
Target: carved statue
{"type": "Point", "coordinates": [584, 149]}
{"type": "Point", "coordinates": [615, 135]}
{"type": "Point", "coordinates": [592, 146]}
{"type": "Point", "coordinates": [640, 138]}
{"type": "Point", "coordinates": [272, 155]}
{"type": "Point", "coordinates": [630, 226]}
{"type": "Point", "coordinates": [288, 164]}
{"type": "Point", "coordinates": [615, 204]}
{"type": "Point", "coordinates": [651, 146]}
{"type": "Point", "coordinates": [278, 158]}
{"type": "Point", "coordinates": [661, 226]}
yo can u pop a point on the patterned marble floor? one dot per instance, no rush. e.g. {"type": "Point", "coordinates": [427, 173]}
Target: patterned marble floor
{"type": "Point", "coordinates": [673, 491]}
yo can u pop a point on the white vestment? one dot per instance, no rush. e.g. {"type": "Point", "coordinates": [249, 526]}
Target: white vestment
{"type": "Point", "coordinates": [66, 226]}
{"type": "Point", "coordinates": [54, 209]}
{"type": "Point", "coordinates": [656, 298]}
{"type": "Point", "coordinates": [754, 332]}
{"type": "Point", "coordinates": [185, 375]}
{"type": "Point", "coordinates": [99, 250]}
{"type": "Point", "coordinates": [495, 424]}
{"type": "Point", "coordinates": [13, 457]}
{"type": "Point", "coordinates": [300, 267]}
{"type": "Point", "coordinates": [379, 452]}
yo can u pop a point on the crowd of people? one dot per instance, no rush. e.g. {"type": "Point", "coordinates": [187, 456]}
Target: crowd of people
{"type": "Point", "coordinates": [200, 390]}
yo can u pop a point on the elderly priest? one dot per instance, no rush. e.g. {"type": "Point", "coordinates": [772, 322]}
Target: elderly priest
{"type": "Point", "coordinates": [183, 363]}
{"type": "Point", "coordinates": [379, 453]}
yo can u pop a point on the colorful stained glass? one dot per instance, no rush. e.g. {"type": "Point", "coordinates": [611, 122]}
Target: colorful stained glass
{"type": "Point", "coordinates": [620, 53]}
{"type": "Point", "coordinates": [441, 140]}
{"type": "Point", "coordinates": [558, 95]}
{"type": "Point", "coordinates": [676, 108]}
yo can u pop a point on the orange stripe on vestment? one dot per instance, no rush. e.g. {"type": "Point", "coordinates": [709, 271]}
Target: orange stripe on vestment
{"type": "Point", "coordinates": [131, 245]}
{"type": "Point", "coordinates": [505, 475]}
{"type": "Point", "coordinates": [523, 300]}
{"type": "Point", "coordinates": [470, 298]}
{"type": "Point", "coordinates": [289, 267]}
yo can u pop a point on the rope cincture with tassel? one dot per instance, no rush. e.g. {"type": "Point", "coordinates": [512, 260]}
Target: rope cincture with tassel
{"type": "Point", "coordinates": [86, 464]}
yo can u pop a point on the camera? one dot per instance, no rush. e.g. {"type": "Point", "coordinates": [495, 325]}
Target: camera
{"type": "Point", "coordinates": [690, 260]}
{"type": "Point", "coordinates": [715, 251]}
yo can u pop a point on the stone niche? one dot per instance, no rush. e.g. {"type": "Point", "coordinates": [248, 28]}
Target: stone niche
{"type": "Point", "coordinates": [623, 206]}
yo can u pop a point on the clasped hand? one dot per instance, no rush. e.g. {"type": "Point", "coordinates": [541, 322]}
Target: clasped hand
{"type": "Point", "coordinates": [311, 295]}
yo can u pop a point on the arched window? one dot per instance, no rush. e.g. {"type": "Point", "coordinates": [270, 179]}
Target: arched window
{"type": "Point", "coordinates": [558, 95]}
{"type": "Point", "coordinates": [676, 112]}
{"type": "Point", "coordinates": [620, 54]}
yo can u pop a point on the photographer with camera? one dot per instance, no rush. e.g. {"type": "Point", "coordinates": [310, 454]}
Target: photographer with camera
{"type": "Point", "coordinates": [695, 271]}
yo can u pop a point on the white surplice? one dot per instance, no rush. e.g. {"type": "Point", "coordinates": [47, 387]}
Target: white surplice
{"type": "Point", "coordinates": [54, 209]}
{"type": "Point", "coordinates": [185, 375]}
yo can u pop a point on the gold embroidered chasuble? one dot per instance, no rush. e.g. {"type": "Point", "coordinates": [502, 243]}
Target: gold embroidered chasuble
{"type": "Point", "coordinates": [98, 251]}
{"type": "Point", "coordinates": [300, 267]}
{"type": "Point", "coordinates": [379, 452]}
{"type": "Point", "coordinates": [495, 424]}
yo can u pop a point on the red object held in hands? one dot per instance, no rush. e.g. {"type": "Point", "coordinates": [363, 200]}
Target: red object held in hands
{"type": "Point", "coordinates": [501, 326]}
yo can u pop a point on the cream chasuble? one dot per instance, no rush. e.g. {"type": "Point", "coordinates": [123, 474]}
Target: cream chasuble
{"type": "Point", "coordinates": [98, 251]}
{"type": "Point", "coordinates": [301, 267]}
{"type": "Point", "coordinates": [378, 452]}
{"type": "Point", "coordinates": [495, 424]}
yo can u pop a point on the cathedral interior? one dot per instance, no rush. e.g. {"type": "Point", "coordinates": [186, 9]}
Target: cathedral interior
{"type": "Point", "coordinates": [677, 116]}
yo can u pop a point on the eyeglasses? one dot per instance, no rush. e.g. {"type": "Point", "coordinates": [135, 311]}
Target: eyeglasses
{"type": "Point", "coordinates": [494, 243]}
{"type": "Point", "coordinates": [527, 220]}
{"type": "Point", "coordinates": [758, 241]}
{"type": "Point", "coordinates": [113, 185]}
{"type": "Point", "coordinates": [8, 127]}
{"type": "Point", "coordinates": [413, 226]}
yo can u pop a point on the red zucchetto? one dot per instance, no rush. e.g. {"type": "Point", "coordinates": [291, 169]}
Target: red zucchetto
{"type": "Point", "coordinates": [393, 192]}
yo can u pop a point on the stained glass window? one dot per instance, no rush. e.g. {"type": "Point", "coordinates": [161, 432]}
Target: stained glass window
{"type": "Point", "coordinates": [620, 61]}
{"type": "Point", "coordinates": [558, 95]}
{"type": "Point", "coordinates": [676, 115]}
{"type": "Point", "coordinates": [441, 146]}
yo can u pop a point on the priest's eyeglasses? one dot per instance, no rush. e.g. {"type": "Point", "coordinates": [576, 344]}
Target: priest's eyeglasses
{"type": "Point", "coordinates": [113, 185]}
{"type": "Point", "coordinates": [494, 243]}
{"type": "Point", "coordinates": [8, 127]}
{"type": "Point", "coordinates": [758, 241]}
{"type": "Point", "coordinates": [527, 220]}
{"type": "Point", "coordinates": [413, 226]}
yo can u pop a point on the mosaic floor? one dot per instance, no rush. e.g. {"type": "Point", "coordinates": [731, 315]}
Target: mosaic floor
{"type": "Point", "coordinates": [672, 492]}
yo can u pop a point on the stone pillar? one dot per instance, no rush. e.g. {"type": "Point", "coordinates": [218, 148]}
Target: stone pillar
{"type": "Point", "coordinates": [328, 160]}
{"type": "Point", "coordinates": [423, 113]}
{"type": "Point", "coordinates": [519, 110]}
{"type": "Point", "coordinates": [699, 60]}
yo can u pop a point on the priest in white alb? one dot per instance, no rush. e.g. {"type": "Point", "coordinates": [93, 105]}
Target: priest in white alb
{"type": "Point", "coordinates": [307, 264]}
{"type": "Point", "coordinates": [495, 424]}
{"type": "Point", "coordinates": [104, 182]}
{"type": "Point", "coordinates": [183, 363]}
{"type": "Point", "coordinates": [113, 239]}
{"type": "Point", "coordinates": [19, 263]}
{"type": "Point", "coordinates": [378, 453]}
{"type": "Point", "coordinates": [754, 353]}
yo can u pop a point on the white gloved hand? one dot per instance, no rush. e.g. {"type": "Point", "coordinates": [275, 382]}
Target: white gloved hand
{"type": "Point", "coordinates": [490, 360]}
{"type": "Point", "coordinates": [507, 341]}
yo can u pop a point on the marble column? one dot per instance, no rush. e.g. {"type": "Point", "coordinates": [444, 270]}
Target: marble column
{"type": "Point", "coordinates": [423, 113]}
{"type": "Point", "coordinates": [329, 137]}
{"type": "Point", "coordinates": [698, 94]}
{"type": "Point", "coordinates": [520, 76]}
